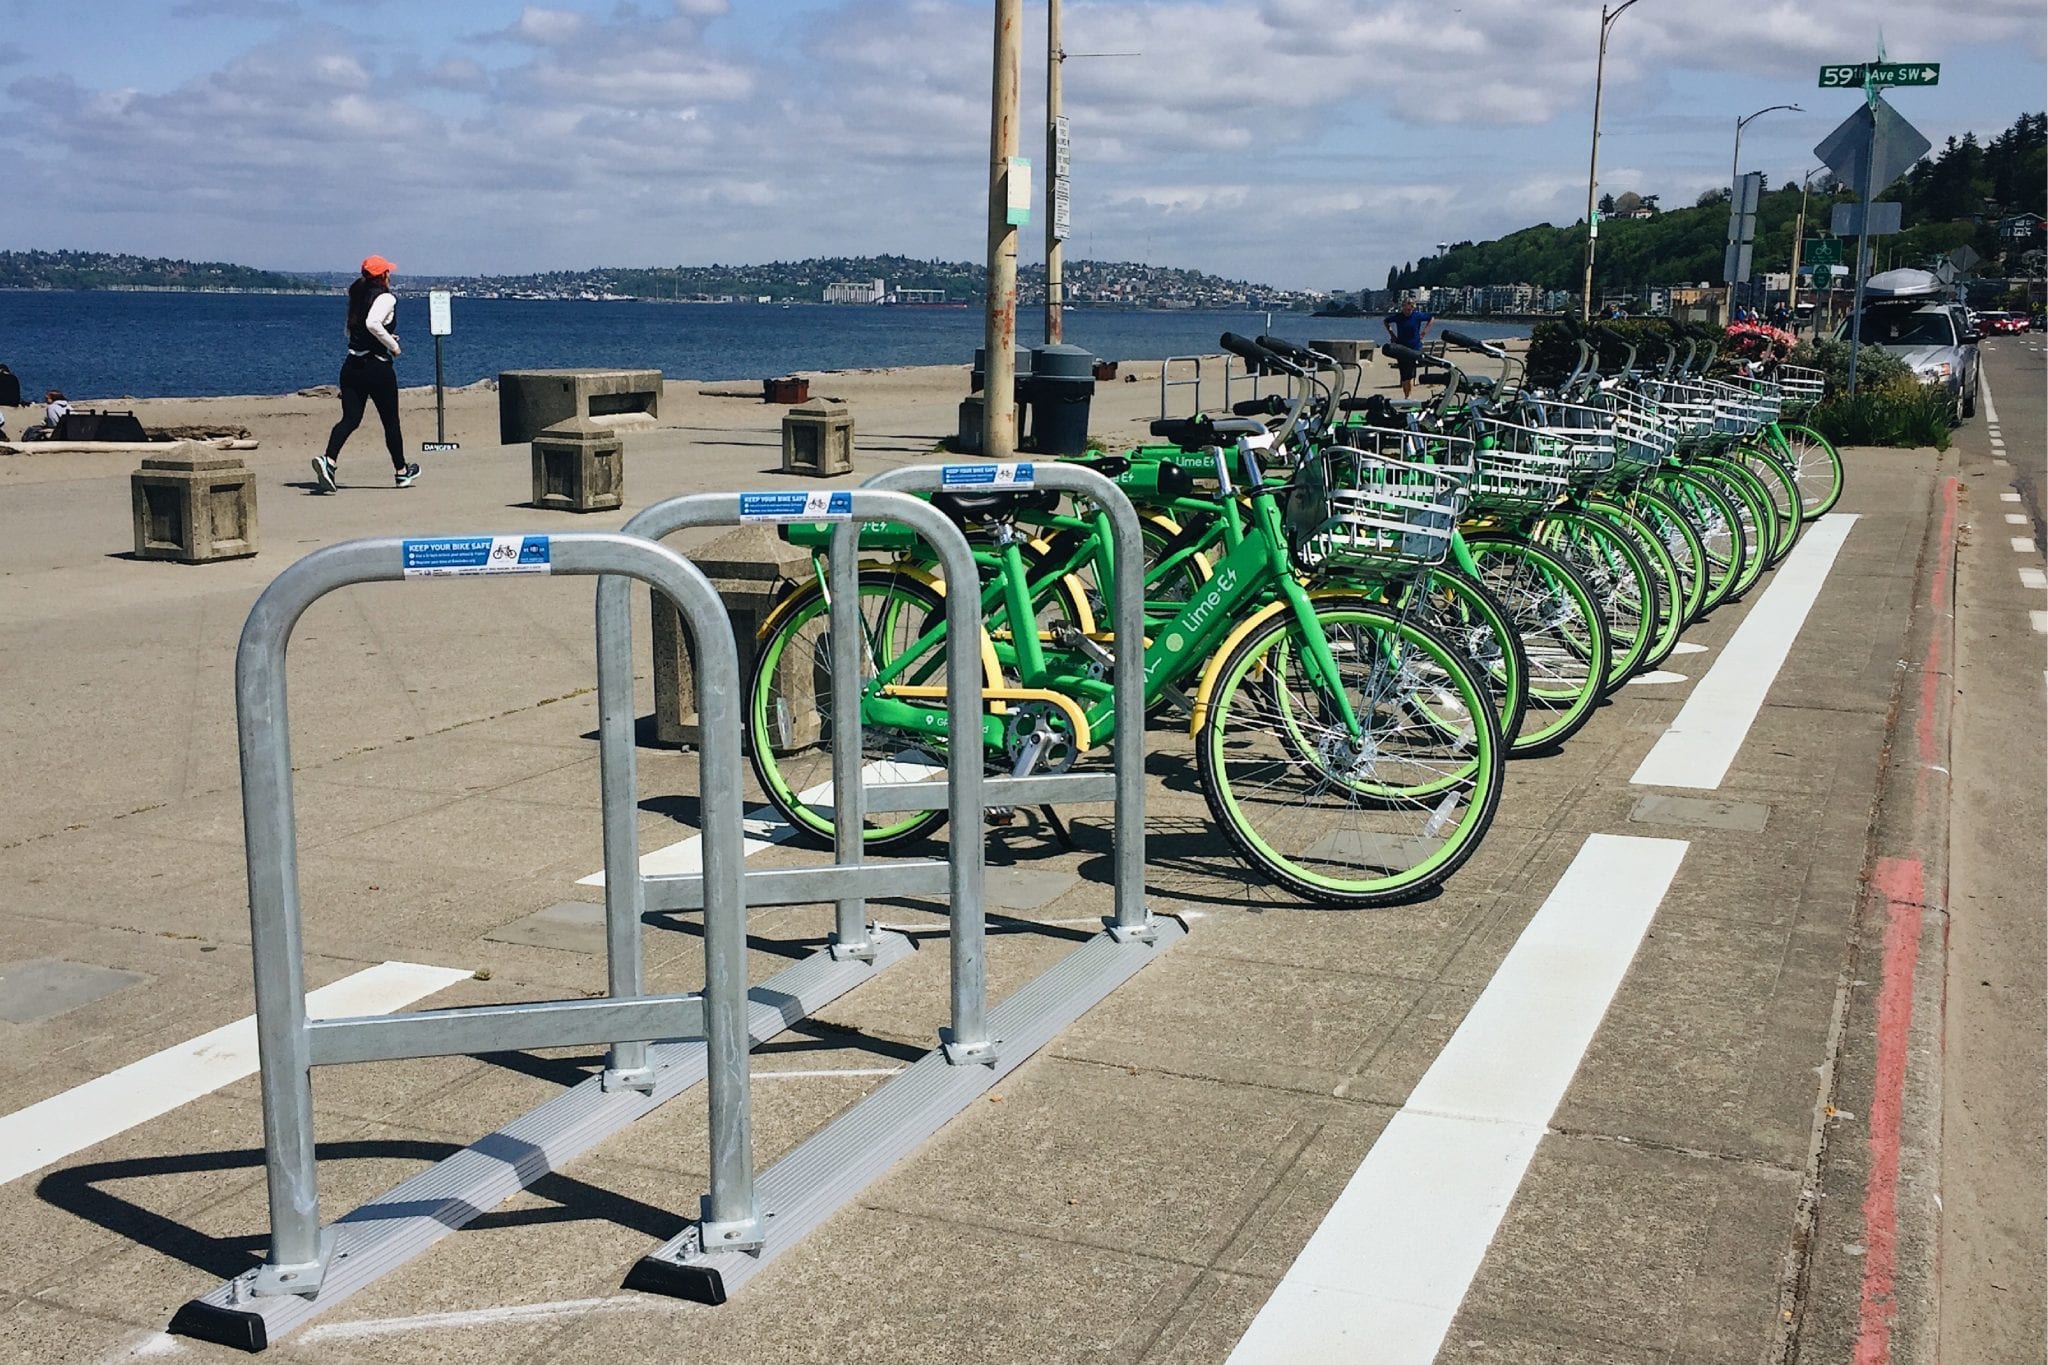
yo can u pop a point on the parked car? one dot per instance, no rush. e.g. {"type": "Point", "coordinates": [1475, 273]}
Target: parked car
{"type": "Point", "coordinates": [1904, 315]}
{"type": "Point", "coordinates": [2004, 324]}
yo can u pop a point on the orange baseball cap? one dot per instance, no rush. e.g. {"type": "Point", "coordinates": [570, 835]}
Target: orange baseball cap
{"type": "Point", "coordinates": [377, 265]}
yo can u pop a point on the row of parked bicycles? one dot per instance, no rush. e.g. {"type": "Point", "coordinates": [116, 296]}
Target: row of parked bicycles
{"type": "Point", "coordinates": [1360, 609]}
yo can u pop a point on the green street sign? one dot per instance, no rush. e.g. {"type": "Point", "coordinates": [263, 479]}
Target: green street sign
{"type": "Point", "coordinates": [1853, 75]}
{"type": "Point", "coordinates": [1821, 251]}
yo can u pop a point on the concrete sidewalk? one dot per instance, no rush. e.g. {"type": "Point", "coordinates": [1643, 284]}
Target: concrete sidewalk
{"type": "Point", "coordinates": [1134, 1193]}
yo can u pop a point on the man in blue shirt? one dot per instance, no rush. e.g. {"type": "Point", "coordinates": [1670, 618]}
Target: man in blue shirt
{"type": "Point", "coordinates": [1408, 328]}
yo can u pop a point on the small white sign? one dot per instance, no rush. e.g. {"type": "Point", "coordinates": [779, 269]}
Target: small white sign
{"type": "Point", "coordinates": [440, 309]}
{"type": "Point", "coordinates": [1020, 191]}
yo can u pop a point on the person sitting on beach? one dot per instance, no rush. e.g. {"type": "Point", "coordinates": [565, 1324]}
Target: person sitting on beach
{"type": "Point", "coordinates": [54, 408]}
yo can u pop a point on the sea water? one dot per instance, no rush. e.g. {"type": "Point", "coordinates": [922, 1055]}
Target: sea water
{"type": "Point", "coordinates": [109, 344]}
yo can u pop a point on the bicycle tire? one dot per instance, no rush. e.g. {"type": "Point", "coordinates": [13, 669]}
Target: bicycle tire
{"type": "Point", "coordinates": [1563, 634]}
{"type": "Point", "coordinates": [1326, 829]}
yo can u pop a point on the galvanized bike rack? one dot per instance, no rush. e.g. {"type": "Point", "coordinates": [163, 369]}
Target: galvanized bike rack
{"type": "Point", "coordinates": [830, 1168]}
{"type": "Point", "coordinates": [309, 1268]}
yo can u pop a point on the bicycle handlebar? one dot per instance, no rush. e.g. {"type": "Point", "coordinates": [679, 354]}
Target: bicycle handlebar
{"type": "Point", "coordinates": [1472, 343]}
{"type": "Point", "coordinates": [1300, 355]}
{"type": "Point", "coordinates": [1249, 351]}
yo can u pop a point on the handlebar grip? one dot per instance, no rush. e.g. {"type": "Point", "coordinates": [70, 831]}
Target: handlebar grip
{"type": "Point", "coordinates": [1397, 351]}
{"type": "Point", "coordinates": [1472, 343]}
{"type": "Point", "coordinates": [1256, 355]}
{"type": "Point", "coordinates": [1300, 355]}
{"type": "Point", "coordinates": [1272, 405]}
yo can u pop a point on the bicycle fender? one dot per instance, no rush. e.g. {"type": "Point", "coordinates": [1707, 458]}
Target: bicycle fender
{"type": "Point", "coordinates": [991, 667]}
{"type": "Point", "coordinates": [1200, 711]}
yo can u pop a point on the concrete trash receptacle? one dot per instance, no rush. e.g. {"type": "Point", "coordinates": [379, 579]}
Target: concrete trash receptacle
{"type": "Point", "coordinates": [531, 401]}
{"type": "Point", "coordinates": [751, 567]}
{"type": "Point", "coordinates": [579, 466]}
{"type": "Point", "coordinates": [817, 438]}
{"type": "Point", "coordinates": [193, 505]}
{"type": "Point", "coordinates": [1062, 387]}
{"type": "Point", "coordinates": [1347, 352]}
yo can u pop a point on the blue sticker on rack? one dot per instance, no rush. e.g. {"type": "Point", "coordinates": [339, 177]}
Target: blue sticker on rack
{"type": "Point", "coordinates": [796, 506]}
{"type": "Point", "coordinates": [1003, 474]}
{"type": "Point", "coordinates": [462, 556]}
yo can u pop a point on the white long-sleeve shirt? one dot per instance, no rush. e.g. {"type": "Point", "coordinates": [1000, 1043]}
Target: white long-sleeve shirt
{"type": "Point", "coordinates": [383, 309]}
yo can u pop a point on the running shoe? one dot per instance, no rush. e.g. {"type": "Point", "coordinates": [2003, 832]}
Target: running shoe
{"type": "Point", "coordinates": [323, 471]}
{"type": "Point", "coordinates": [405, 476]}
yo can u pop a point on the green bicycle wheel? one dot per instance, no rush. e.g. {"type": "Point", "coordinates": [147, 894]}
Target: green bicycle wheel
{"type": "Point", "coordinates": [1783, 490]}
{"type": "Point", "coordinates": [1671, 589]}
{"type": "Point", "coordinates": [1753, 511]}
{"type": "Point", "coordinates": [1360, 820]}
{"type": "Point", "coordinates": [790, 722]}
{"type": "Point", "coordinates": [1670, 529]}
{"type": "Point", "coordinates": [1713, 518]}
{"type": "Point", "coordinates": [1623, 583]}
{"type": "Point", "coordinates": [1816, 466]}
{"type": "Point", "coordinates": [1563, 634]}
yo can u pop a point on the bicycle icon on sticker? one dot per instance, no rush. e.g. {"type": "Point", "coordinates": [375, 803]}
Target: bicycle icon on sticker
{"type": "Point", "coordinates": [504, 552]}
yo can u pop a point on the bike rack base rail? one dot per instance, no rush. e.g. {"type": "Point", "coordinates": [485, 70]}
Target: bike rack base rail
{"type": "Point", "coordinates": [823, 1175]}
{"type": "Point", "coordinates": [413, 1215]}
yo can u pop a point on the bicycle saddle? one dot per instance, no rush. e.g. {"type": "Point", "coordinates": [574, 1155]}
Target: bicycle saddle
{"type": "Point", "coordinates": [1194, 433]}
{"type": "Point", "coordinates": [964, 508]}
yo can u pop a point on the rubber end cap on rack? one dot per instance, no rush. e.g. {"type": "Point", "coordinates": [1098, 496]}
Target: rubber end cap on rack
{"type": "Point", "coordinates": [204, 1321]}
{"type": "Point", "coordinates": [695, 1283]}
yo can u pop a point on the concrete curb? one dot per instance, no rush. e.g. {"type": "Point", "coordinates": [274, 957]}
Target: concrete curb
{"type": "Point", "coordinates": [1860, 1279]}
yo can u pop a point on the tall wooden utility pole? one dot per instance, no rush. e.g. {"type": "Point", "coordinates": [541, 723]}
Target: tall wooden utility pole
{"type": "Point", "coordinates": [999, 394]}
{"type": "Point", "coordinates": [1055, 283]}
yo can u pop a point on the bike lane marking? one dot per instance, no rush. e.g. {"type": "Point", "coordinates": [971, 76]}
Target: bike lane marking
{"type": "Point", "coordinates": [109, 1105]}
{"type": "Point", "coordinates": [1383, 1275]}
{"type": "Point", "coordinates": [1701, 744]}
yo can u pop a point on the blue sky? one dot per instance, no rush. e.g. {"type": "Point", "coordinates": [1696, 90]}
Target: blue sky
{"type": "Point", "coordinates": [1300, 143]}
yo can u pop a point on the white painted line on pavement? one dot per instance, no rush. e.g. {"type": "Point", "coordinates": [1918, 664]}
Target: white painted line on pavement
{"type": "Point", "coordinates": [2031, 577]}
{"type": "Point", "coordinates": [2008, 497]}
{"type": "Point", "coordinates": [2040, 621]}
{"type": "Point", "coordinates": [2002, 464]}
{"type": "Point", "coordinates": [1984, 398]}
{"type": "Point", "coordinates": [478, 1317]}
{"type": "Point", "coordinates": [2015, 519]}
{"type": "Point", "coordinates": [1382, 1277]}
{"type": "Point", "coordinates": [2023, 545]}
{"type": "Point", "coordinates": [1702, 742]}
{"type": "Point", "coordinates": [764, 825]}
{"type": "Point", "coordinates": [105, 1106]}
{"type": "Point", "coordinates": [1655, 678]}
{"type": "Point", "coordinates": [1688, 647]}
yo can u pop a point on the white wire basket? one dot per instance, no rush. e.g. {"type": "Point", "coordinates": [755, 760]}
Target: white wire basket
{"type": "Point", "coordinates": [1522, 468]}
{"type": "Point", "coordinates": [1354, 509]}
{"type": "Point", "coordinates": [1803, 388]}
{"type": "Point", "coordinates": [1686, 406]}
{"type": "Point", "coordinates": [1644, 436]}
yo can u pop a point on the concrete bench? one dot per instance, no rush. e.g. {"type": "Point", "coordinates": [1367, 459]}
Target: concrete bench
{"type": "Point", "coordinates": [531, 401]}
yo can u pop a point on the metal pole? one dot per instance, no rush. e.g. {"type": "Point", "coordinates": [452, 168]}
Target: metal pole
{"type": "Point", "coordinates": [440, 399]}
{"type": "Point", "coordinates": [1734, 216]}
{"type": "Point", "coordinates": [1863, 243]}
{"type": "Point", "coordinates": [1055, 283]}
{"type": "Point", "coordinates": [625, 894]}
{"type": "Point", "coordinates": [1593, 166]}
{"type": "Point", "coordinates": [999, 394]}
{"type": "Point", "coordinates": [849, 796]}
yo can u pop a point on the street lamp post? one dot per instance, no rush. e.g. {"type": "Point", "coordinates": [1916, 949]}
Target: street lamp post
{"type": "Point", "coordinates": [1735, 186]}
{"type": "Point", "coordinates": [1607, 19]}
{"type": "Point", "coordinates": [1799, 253]}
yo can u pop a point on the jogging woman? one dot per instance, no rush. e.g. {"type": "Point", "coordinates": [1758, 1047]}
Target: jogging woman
{"type": "Point", "coordinates": [367, 376]}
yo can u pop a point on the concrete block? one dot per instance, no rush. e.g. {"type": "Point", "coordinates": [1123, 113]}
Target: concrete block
{"type": "Point", "coordinates": [752, 568]}
{"type": "Point", "coordinates": [193, 505]}
{"type": "Point", "coordinates": [1347, 352]}
{"type": "Point", "coordinates": [579, 466]}
{"type": "Point", "coordinates": [531, 401]}
{"type": "Point", "coordinates": [817, 438]}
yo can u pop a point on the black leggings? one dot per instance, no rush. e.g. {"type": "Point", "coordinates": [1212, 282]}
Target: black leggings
{"type": "Point", "coordinates": [365, 379]}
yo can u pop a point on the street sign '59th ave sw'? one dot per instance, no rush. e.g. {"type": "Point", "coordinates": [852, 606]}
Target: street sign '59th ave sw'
{"type": "Point", "coordinates": [1852, 75]}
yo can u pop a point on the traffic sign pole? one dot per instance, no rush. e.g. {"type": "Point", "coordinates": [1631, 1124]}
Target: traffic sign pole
{"type": "Point", "coordinates": [1863, 248]}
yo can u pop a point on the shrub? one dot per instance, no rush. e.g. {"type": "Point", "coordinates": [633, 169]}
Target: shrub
{"type": "Point", "coordinates": [1874, 368]}
{"type": "Point", "coordinates": [1900, 411]}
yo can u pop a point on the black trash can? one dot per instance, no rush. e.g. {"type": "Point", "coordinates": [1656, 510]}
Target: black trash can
{"type": "Point", "coordinates": [978, 376]}
{"type": "Point", "coordinates": [10, 388]}
{"type": "Point", "coordinates": [1062, 387]}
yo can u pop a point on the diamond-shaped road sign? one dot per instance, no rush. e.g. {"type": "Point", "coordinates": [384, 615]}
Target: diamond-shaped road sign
{"type": "Point", "coordinates": [1876, 126]}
